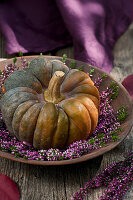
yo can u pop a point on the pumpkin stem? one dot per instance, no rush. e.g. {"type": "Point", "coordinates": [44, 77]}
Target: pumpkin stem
{"type": "Point", "coordinates": [52, 93]}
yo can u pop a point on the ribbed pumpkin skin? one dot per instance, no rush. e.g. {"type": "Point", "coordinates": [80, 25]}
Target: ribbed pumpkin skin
{"type": "Point", "coordinates": [45, 124]}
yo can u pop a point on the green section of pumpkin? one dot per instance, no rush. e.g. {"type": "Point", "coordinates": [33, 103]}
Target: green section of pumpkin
{"type": "Point", "coordinates": [42, 70]}
{"type": "Point", "coordinates": [28, 123]}
{"type": "Point", "coordinates": [23, 78]}
{"type": "Point", "coordinates": [14, 101]}
{"type": "Point", "coordinates": [20, 111]}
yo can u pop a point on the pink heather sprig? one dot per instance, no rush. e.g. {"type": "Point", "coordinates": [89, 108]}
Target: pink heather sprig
{"type": "Point", "coordinates": [24, 62]}
{"type": "Point", "coordinates": [8, 69]}
{"type": "Point", "coordinates": [117, 177]}
{"type": "Point", "coordinates": [99, 80]}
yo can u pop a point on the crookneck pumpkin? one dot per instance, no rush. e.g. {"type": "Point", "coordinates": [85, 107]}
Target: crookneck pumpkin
{"type": "Point", "coordinates": [49, 105]}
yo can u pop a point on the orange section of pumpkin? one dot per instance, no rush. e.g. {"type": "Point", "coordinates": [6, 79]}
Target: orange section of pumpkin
{"type": "Point", "coordinates": [85, 88]}
{"type": "Point", "coordinates": [61, 133]}
{"type": "Point", "coordinates": [74, 133]}
{"type": "Point", "coordinates": [78, 113]}
{"type": "Point", "coordinates": [75, 79]}
{"type": "Point", "coordinates": [88, 103]}
{"type": "Point", "coordinates": [45, 127]}
{"type": "Point", "coordinates": [95, 100]}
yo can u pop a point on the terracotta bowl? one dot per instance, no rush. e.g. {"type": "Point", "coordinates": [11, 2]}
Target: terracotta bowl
{"type": "Point", "coordinates": [122, 99]}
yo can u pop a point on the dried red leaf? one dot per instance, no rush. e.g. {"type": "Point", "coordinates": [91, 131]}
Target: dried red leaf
{"type": "Point", "coordinates": [8, 189]}
{"type": "Point", "coordinates": [128, 84]}
{"type": "Point", "coordinates": [3, 89]}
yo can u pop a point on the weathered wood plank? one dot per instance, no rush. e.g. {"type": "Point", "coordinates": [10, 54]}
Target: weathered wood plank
{"type": "Point", "coordinates": [123, 55]}
{"type": "Point", "coordinates": [69, 51]}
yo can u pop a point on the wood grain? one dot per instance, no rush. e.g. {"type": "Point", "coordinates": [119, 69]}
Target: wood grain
{"type": "Point", "coordinates": [60, 182]}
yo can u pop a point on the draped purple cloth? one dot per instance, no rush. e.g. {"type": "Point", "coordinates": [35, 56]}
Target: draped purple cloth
{"type": "Point", "coordinates": [92, 26]}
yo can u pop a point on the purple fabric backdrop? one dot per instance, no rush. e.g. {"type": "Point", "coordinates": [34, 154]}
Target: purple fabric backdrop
{"type": "Point", "coordinates": [92, 26]}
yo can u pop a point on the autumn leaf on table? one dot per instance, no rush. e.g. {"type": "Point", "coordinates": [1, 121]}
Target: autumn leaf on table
{"type": "Point", "coordinates": [8, 188]}
{"type": "Point", "coordinates": [128, 84]}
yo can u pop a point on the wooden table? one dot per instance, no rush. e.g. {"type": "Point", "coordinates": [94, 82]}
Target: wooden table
{"type": "Point", "coordinates": [61, 182]}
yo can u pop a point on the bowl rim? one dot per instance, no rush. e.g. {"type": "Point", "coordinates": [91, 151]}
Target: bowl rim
{"type": "Point", "coordinates": [93, 154]}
